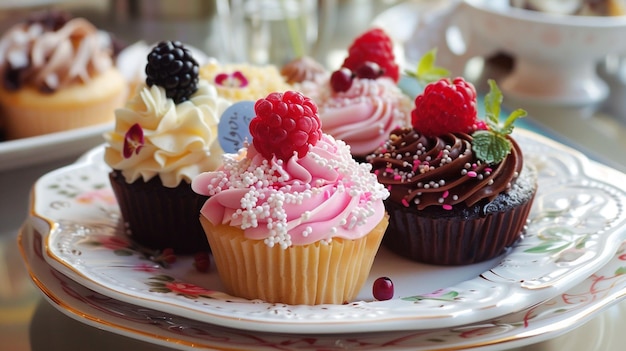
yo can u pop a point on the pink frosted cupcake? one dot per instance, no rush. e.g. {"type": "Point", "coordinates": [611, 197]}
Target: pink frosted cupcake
{"type": "Point", "coordinates": [292, 218]}
{"type": "Point", "coordinates": [361, 103]}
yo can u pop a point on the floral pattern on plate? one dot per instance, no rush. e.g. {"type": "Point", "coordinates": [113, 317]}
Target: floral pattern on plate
{"type": "Point", "coordinates": [563, 312]}
{"type": "Point", "coordinates": [575, 226]}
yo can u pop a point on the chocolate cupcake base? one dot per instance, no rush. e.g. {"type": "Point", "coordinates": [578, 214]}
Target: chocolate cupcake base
{"type": "Point", "coordinates": [159, 217]}
{"type": "Point", "coordinates": [463, 235]}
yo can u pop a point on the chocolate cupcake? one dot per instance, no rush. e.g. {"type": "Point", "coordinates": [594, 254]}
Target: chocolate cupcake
{"type": "Point", "coordinates": [460, 191]}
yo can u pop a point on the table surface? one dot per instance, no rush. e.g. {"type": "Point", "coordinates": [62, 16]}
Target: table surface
{"type": "Point", "coordinates": [27, 322]}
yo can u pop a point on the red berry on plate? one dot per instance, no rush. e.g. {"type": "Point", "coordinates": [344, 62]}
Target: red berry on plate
{"type": "Point", "coordinates": [202, 261]}
{"type": "Point", "coordinates": [445, 107]}
{"type": "Point", "coordinates": [374, 46]}
{"type": "Point", "coordinates": [383, 289]}
{"type": "Point", "coordinates": [168, 256]}
{"type": "Point", "coordinates": [369, 70]}
{"type": "Point", "coordinates": [285, 123]}
{"type": "Point", "coordinates": [341, 80]}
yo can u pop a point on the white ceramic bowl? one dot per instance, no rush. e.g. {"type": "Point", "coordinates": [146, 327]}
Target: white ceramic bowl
{"type": "Point", "coordinates": [555, 55]}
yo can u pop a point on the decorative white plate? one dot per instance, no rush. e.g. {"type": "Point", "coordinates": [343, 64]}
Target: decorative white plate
{"type": "Point", "coordinates": [564, 312]}
{"type": "Point", "coordinates": [576, 225]}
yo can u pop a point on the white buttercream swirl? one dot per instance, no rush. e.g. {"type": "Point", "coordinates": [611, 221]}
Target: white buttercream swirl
{"type": "Point", "coordinates": [364, 115]}
{"type": "Point", "coordinates": [261, 80]}
{"type": "Point", "coordinates": [179, 139]}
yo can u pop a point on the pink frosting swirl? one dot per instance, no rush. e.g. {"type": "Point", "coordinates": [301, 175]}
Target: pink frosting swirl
{"type": "Point", "coordinates": [364, 115]}
{"type": "Point", "coordinates": [50, 58]}
{"type": "Point", "coordinates": [323, 195]}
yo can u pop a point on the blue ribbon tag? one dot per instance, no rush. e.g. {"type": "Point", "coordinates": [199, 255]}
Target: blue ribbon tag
{"type": "Point", "coordinates": [233, 130]}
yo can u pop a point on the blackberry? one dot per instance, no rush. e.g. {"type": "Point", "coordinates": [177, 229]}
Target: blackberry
{"type": "Point", "coordinates": [171, 66]}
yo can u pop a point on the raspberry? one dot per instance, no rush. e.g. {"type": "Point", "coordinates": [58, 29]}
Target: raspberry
{"type": "Point", "coordinates": [285, 123]}
{"type": "Point", "coordinates": [375, 46]}
{"type": "Point", "coordinates": [445, 107]}
{"type": "Point", "coordinates": [171, 66]}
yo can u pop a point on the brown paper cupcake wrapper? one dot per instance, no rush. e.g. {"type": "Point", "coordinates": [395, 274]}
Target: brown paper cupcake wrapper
{"type": "Point", "coordinates": [310, 274]}
{"type": "Point", "coordinates": [159, 217]}
{"type": "Point", "coordinates": [453, 241]}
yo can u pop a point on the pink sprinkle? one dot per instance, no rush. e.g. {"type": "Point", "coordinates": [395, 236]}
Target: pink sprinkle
{"type": "Point", "coordinates": [445, 194]}
{"type": "Point", "coordinates": [472, 174]}
{"type": "Point", "coordinates": [488, 169]}
{"type": "Point", "coordinates": [416, 165]}
{"type": "Point", "coordinates": [377, 172]}
{"type": "Point", "coordinates": [474, 165]}
{"type": "Point", "coordinates": [397, 177]}
{"type": "Point", "coordinates": [389, 170]}
{"type": "Point", "coordinates": [447, 207]}
{"type": "Point", "coordinates": [388, 187]}
{"type": "Point", "coordinates": [405, 203]}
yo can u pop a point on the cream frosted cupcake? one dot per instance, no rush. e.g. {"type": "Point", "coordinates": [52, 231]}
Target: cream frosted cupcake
{"type": "Point", "coordinates": [292, 218]}
{"type": "Point", "coordinates": [242, 81]}
{"type": "Point", "coordinates": [361, 102]}
{"type": "Point", "coordinates": [57, 74]}
{"type": "Point", "coordinates": [162, 139]}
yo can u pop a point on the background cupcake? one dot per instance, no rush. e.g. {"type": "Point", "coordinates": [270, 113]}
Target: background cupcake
{"type": "Point", "coordinates": [243, 81]}
{"type": "Point", "coordinates": [163, 137]}
{"type": "Point", "coordinates": [292, 218]}
{"type": "Point", "coordinates": [57, 74]}
{"type": "Point", "coordinates": [460, 192]}
{"type": "Point", "coordinates": [361, 102]}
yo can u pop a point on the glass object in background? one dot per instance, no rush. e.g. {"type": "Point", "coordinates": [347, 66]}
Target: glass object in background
{"type": "Point", "coordinates": [273, 31]}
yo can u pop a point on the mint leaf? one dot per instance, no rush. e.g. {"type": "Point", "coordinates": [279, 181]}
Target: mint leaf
{"type": "Point", "coordinates": [490, 147]}
{"type": "Point", "coordinates": [493, 100]}
{"type": "Point", "coordinates": [507, 128]}
{"type": "Point", "coordinates": [426, 71]}
{"type": "Point", "coordinates": [427, 62]}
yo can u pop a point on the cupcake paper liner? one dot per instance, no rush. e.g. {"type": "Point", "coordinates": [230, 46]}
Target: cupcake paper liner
{"type": "Point", "coordinates": [454, 240]}
{"type": "Point", "coordinates": [310, 274]}
{"type": "Point", "coordinates": [158, 217]}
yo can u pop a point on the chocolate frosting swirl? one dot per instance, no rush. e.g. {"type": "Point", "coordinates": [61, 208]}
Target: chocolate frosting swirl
{"type": "Point", "coordinates": [441, 171]}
